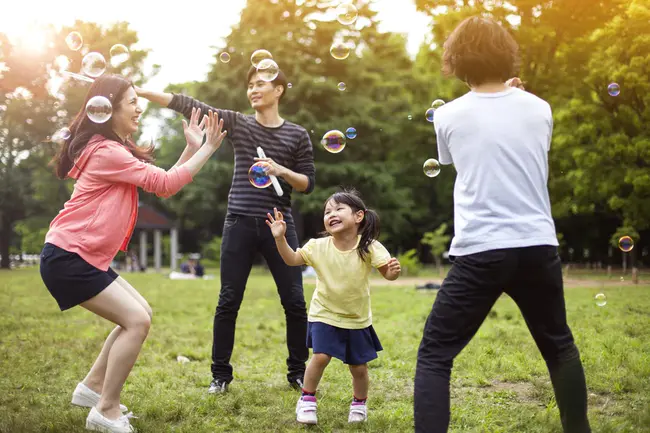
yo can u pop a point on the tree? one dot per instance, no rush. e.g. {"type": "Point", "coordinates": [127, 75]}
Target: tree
{"type": "Point", "coordinates": [35, 101]}
{"type": "Point", "coordinates": [437, 241]}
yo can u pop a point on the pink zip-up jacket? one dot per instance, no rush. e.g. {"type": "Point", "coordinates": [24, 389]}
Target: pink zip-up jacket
{"type": "Point", "coordinates": [99, 218]}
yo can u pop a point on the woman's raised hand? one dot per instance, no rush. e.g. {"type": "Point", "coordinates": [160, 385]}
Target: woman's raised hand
{"type": "Point", "coordinates": [214, 130]}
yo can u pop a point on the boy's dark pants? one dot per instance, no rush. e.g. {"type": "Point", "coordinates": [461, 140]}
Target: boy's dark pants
{"type": "Point", "coordinates": [532, 277]}
{"type": "Point", "coordinates": [243, 237]}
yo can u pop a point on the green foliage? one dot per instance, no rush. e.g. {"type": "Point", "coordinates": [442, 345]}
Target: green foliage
{"type": "Point", "coordinates": [410, 263]}
{"type": "Point", "coordinates": [571, 50]}
{"type": "Point", "coordinates": [212, 250]}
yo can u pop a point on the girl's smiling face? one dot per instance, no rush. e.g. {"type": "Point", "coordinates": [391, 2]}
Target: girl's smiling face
{"type": "Point", "coordinates": [339, 217]}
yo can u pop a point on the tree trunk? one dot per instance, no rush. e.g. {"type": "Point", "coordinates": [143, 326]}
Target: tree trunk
{"type": "Point", "coordinates": [5, 238]}
{"type": "Point", "coordinates": [438, 264]}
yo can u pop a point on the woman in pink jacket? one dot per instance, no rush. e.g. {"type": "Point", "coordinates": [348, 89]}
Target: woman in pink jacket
{"type": "Point", "coordinates": [97, 222]}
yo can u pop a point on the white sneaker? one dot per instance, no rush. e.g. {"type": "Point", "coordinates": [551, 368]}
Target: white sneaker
{"type": "Point", "coordinates": [86, 397]}
{"type": "Point", "coordinates": [306, 410]}
{"type": "Point", "coordinates": [98, 422]}
{"type": "Point", "coordinates": [358, 412]}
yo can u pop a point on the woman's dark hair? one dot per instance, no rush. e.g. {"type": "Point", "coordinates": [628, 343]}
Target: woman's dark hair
{"type": "Point", "coordinates": [280, 80]}
{"type": "Point", "coordinates": [369, 227]}
{"type": "Point", "coordinates": [82, 128]}
{"type": "Point", "coordinates": [480, 50]}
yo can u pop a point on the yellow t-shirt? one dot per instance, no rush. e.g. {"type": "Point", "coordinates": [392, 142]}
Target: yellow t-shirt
{"type": "Point", "coordinates": [342, 295]}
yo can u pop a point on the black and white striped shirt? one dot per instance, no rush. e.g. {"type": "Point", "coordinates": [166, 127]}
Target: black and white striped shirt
{"type": "Point", "coordinates": [288, 145]}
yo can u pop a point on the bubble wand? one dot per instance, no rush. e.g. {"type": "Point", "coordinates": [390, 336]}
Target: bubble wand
{"type": "Point", "coordinates": [274, 180]}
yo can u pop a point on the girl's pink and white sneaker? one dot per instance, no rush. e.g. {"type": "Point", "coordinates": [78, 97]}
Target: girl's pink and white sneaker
{"type": "Point", "coordinates": [98, 422]}
{"type": "Point", "coordinates": [86, 397]}
{"type": "Point", "coordinates": [358, 412]}
{"type": "Point", "coordinates": [306, 410]}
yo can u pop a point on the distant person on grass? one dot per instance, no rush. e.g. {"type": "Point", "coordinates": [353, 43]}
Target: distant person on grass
{"type": "Point", "coordinates": [98, 221]}
{"type": "Point", "coordinates": [498, 139]}
{"type": "Point", "coordinates": [289, 152]}
{"type": "Point", "coordinates": [340, 319]}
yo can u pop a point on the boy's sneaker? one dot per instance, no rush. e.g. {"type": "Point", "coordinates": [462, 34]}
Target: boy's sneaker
{"type": "Point", "coordinates": [86, 397]}
{"type": "Point", "coordinates": [218, 386]}
{"type": "Point", "coordinates": [358, 412]}
{"type": "Point", "coordinates": [98, 422]}
{"type": "Point", "coordinates": [306, 410]}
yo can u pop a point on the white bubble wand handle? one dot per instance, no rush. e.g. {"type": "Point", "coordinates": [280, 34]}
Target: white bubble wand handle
{"type": "Point", "coordinates": [274, 180]}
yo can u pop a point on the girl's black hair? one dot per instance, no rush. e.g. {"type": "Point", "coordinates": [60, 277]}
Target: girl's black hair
{"type": "Point", "coordinates": [369, 227]}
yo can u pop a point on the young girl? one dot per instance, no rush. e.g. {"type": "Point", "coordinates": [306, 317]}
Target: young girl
{"type": "Point", "coordinates": [98, 220]}
{"type": "Point", "coordinates": [340, 320]}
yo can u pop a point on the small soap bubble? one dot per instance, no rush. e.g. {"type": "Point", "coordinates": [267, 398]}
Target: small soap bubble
{"type": "Point", "coordinates": [119, 54]}
{"type": "Point", "coordinates": [437, 104]}
{"type": "Point", "coordinates": [341, 86]}
{"type": "Point", "coordinates": [351, 133]}
{"type": "Point", "coordinates": [289, 85]}
{"type": "Point", "coordinates": [626, 244]}
{"type": "Point", "coordinates": [333, 141]}
{"type": "Point", "coordinates": [260, 55]}
{"type": "Point", "coordinates": [429, 114]}
{"type": "Point", "coordinates": [431, 167]}
{"type": "Point", "coordinates": [614, 89]}
{"type": "Point", "coordinates": [340, 50]}
{"type": "Point", "coordinates": [258, 174]}
{"type": "Point", "coordinates": [224, 57]}
{"type": "Point", "coordinates": [74, 41]}
{"type": "Point", "coordinates": [601, 299]}
{"type": "Point", "coordinates": [61, 135]}
{"type": "Point", "coordinates": [99, 109]}
{"type": "Point", "coordinates": [346, 14]}
{"type": "Point", "coordinates": [93, 64]}
{"type": "Point", "coordinates": [267, 70]}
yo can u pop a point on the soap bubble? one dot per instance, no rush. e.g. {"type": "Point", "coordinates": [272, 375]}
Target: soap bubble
{"type": "Point", "coordinates": [333, 141]}
{"type": "Point", "coordinates": [346, 14]}
{"type": "Point", "coordinates": [429, 114]}
{"type": "Point", "coordinates": [614, 89]}
{"type": "Point", "coordinates": [99, 109]}
{"type": "Point", "coordinates": [258, 174]}
{"type": "Point", "coordinates": [61, 135]}
{"type": "Point", "coordinates": [340, 50]}
{"type": "Point", "coordinates": [351, 133]}
{"type": "Point", "coordinates": [601, 299]}
{"type": "Point", "coordinates": [268, 70]}
{"type": "Point", "coordinates": [626, 244]}
{"type": "Point", "coordinates": [74, 41]}
{"type": "Point", "coordinates": [437, 104]}
{"type": "Point", "coordinates": [341, 86]}
{"type": "Point", "coordinates": [119, 54]}
{"type": "Point", "coordinates": [260, 55]}
{"type": "Point", "coordinates": [93, 64]}
{"type": "Point", "coordinates": [224, 57]}
{"type": "Point", "coordinates": [431, 167]}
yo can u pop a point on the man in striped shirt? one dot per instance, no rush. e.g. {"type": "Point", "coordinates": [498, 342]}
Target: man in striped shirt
{"type": "Point", "coordinates": [288, 150]}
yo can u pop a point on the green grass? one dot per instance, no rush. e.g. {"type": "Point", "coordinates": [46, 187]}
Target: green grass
{"type": "Point", "coordinates": [499, 383]}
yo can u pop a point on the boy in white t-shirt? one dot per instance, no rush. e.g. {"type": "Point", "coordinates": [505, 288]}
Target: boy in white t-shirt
{"type": "Point", "coordinates": [498, 138]}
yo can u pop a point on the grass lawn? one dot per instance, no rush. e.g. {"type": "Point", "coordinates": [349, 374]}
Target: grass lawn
{"type": "Point", "coordinates": [499, 383]}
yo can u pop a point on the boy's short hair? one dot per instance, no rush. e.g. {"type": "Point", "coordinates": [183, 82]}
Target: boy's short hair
{"type": "Point", "coordinates": [479, 50]}
{"type": "Point", "coordinates": [280, 80]}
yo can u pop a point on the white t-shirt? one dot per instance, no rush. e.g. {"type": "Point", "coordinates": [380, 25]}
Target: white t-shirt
{"type": "Point", "coordinates": [499, 144]}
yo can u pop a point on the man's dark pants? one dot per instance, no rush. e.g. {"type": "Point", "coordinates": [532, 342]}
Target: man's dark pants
{"type": "Point", "coordinates": [532, 277]}
{"type": "Point", "coordinates": [243, 237]}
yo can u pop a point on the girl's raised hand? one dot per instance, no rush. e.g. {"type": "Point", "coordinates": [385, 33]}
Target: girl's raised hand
{"type": "Point", "coordinates": [277, 223]}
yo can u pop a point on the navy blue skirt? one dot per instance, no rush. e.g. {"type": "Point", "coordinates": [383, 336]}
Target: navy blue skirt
{"type": "Point", "coordinates": [70, 279]}
{"type": "Point", "coordinates": [352, 346]}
